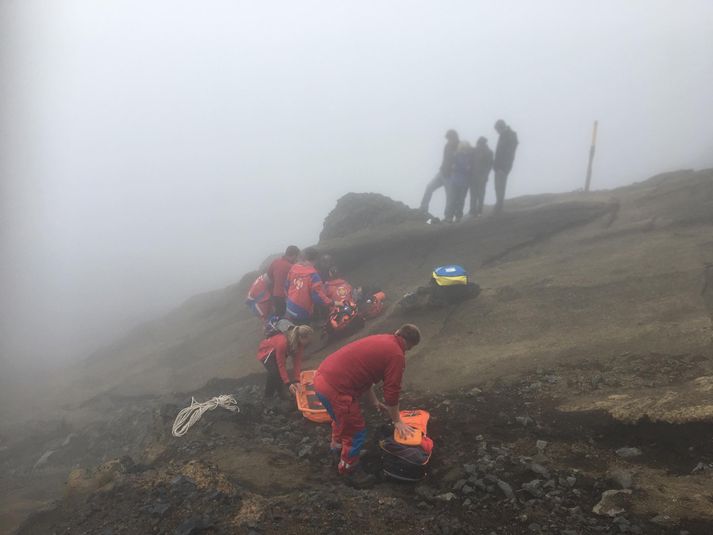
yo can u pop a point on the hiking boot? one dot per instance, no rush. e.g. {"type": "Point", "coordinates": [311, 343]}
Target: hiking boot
{"type": "Point", "coordinates": [359, 479]}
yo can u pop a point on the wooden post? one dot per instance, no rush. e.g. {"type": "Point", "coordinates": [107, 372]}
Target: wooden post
{"type": "Point", "coordinates": [591, 156]}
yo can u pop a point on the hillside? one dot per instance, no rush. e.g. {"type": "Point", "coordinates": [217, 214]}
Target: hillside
{"type": "Point", "coordinates": [594, 325]}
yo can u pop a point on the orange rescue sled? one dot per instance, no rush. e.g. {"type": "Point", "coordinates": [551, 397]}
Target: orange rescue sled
{"type": "Point", "coordinates": [307, 401]}
{"type": "Point", "coordinates": [418, 419]}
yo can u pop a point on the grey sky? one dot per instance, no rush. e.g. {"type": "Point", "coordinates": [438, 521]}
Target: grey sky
{"type": "Point", "coordinates": [150, 150]}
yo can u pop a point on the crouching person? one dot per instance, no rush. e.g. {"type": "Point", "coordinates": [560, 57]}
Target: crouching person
{"type": "Point", "coordinates": [273, 353]}
{"type": "Point", "coordinates": [347, 374]}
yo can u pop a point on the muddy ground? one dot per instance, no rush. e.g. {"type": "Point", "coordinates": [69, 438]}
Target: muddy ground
{"type": "Point", "coordinates": [506, 461]}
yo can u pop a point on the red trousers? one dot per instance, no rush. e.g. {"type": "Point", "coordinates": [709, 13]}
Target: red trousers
{"type": "Point", "coordinates": [348, 426]}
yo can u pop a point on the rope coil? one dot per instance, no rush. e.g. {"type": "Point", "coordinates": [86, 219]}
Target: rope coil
{"type": "Point", "coordinates": [190, 415]}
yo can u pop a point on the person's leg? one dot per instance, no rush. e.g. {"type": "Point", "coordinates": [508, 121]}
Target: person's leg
{"type": "Point", "coordinates": [500, 181]}
{"type": "Point", "coordinates": [328, 397]}
{"type": "Point", "coordinates": [273, 383]}
{"type": "Point", "coordinates": [481, 194]}
{"type": "Point", "coordinates": [450, 202]}
{"type": "Point", "coordinates": [353, 437]}
{"type": "Point", "coordinates": [432, 186]}
{"type": "Point", "coordinates": [278, 303]}
{"type": "Point", "coordinates": [474, 189]}
{"type": "Point", "coordinates": [461, 191]}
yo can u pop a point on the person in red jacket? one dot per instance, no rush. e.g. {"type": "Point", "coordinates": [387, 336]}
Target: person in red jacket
{"type": "Point", "coordinates": [304, 289]}
{"type": "Point", "coordinates": [348, 373]}
{"type": "Point", "coordinates": [278, 270]}
{"type": "Point", "coordinates": [258, 299]}
{"type": "Point", "coordinates": [336, 288]}
{"type": "Point", "coordinates": [273, 353]}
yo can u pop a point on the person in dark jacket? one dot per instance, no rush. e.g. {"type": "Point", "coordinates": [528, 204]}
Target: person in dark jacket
{"type": "Point", "coordinates": [449, 151]}
{"type": "Point", "coordinates": [481, 167]}
{"type": "Point", "coordinates": [504, 158]}
{"type": "Point", "coordinates": [457, 182]}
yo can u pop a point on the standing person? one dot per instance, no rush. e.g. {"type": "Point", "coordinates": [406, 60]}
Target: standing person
{"type": "Point", "coordinates": [304, 289]}
{"type": "Point", "coordinates": [504, 158]}
{"type": "Point", "coordinates": [273, 353]}
{"type": "Point", "coordinates": [438, 181]}
{"type": "Point", "coordinates": [278, 270]}
{"type": "Point", "coordinates": [258, 299]}
{"type": "Point", "coordinates": [458, 181]}
{"type": "Point", "coordinates": [482, 165]}
{"type": "Point", "coordinates": [347, 374]}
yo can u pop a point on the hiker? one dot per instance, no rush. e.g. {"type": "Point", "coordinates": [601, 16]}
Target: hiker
{"type": "Point", "coordinates": [258, 299]}
{"type": "Point", "coordinates": [304, 289]}
{"type": "Point", "coordinates": [438, 181]}
{"type": "Point", "coordinates": [482, 163]}
{"type": "Point", "coordinates": [273, 353]}
{"type": "Point", "coordinates": [278, 270]}
{"type": "Point", "coordinates": [347, 374]}
{"type": "Point", "coordinates": [504, 158]}
{"type": "Point", "coordinates": [457, 182]}
{"type": "Point", "coordinates": [336, 288]}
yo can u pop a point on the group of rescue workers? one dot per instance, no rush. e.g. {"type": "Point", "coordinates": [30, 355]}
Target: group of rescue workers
{"type": "Point", "coordinates": [465, 168]}
{"type": "Point", "coordinates": [300, 287]}
{"type": "Point", "coordinates": [292, 289]}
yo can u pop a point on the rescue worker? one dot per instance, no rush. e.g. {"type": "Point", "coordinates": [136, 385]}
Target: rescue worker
{"type": "Point", "coordinates": [481, 167]}
{"type": "Point", "coordinates": [278, 270]}
{"type": "Point", "coordinates": [273, 353]}
{"type": "Point", "coordinates": [304, 288]}
{"type": "Point", "coordinates": [444, 172]}
{"type": "Point", "coordinates": [347, 374]}
{"type": "Point", "coordinates": [258, 299]}
{"type": "Point", "coordinates": [504, 158]}
{"type": "Point", "coordinates": [337, 289]}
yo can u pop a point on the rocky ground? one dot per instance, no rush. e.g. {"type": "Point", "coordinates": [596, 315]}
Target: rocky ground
{"type": "Point", "coordinates": [506, 461]}
{"type": "Point", "coordinates": [573, 395]}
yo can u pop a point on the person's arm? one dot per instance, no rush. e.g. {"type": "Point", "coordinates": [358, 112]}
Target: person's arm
{"type": "Point", "coordinates": [318, 291]}
{"type": "Point", "coordinates": [297, 364]}
{"type": "Point", "coordinates": [392, 389]}
{"type": "Point", "coordinates": [281, 358]}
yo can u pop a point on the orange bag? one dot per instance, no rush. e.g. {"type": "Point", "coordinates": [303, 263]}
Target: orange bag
{"type": "Point", "coordinates": [307, 401]}
{"type": "Point", "coordinates": [418, 419]}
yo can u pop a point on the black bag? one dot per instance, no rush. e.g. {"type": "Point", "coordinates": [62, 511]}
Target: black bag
{"type": "Point", "coordinates": [403, 463]}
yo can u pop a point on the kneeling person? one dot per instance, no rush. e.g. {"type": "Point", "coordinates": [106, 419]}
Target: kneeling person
{"type": "Point", "coordinates": [347, 374]}
{"type": "Point", "coordinates": [273, 353]}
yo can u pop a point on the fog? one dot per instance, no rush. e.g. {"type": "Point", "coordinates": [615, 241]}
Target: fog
{"type": "Point", "coordinates": [153, 150]}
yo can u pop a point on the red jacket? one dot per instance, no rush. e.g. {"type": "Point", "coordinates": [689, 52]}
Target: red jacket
{"type": "Point", "coordinates": [338, 290]}
{"type": "Point", "coordinates": [258, 299]}
{"type": "Point", "coordinates": [354, 368]}
{"type": "Point", "coordinates": [276, 347]}
{"type": "Point", "coordinates": [278, 270]}
{"type": "Point", "coordinates": [304, 287]}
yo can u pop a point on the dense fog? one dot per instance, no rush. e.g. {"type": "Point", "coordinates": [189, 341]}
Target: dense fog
{"type": "Point", "coordinates": [153, 150]}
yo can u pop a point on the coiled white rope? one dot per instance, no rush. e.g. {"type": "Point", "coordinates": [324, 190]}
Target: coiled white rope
{"type": "Point", "coordinates": [190, 415]}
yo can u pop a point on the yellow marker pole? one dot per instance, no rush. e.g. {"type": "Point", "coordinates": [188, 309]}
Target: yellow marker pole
{"type": "Point", "coordinates": [591, 156]}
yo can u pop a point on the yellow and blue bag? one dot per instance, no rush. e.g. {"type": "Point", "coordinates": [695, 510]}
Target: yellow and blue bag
{"type": "Point", "coordinates": [451, 275]}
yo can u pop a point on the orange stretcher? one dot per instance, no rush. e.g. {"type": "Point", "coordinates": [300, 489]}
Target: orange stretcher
{"type": "Point", "coordinates": [307, 401]}
{"type": "Point", "coordinates": [418, 419]}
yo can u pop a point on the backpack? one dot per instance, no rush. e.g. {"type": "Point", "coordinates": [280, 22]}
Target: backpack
{"type": "Point", "coordinates": [276, 325]}
{"type": "Point", "coordinates": [451, 284]}
{"type": "Point", "coordinates": [450, 275]}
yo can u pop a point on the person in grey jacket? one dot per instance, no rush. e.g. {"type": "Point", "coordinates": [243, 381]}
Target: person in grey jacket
{"type": "Point", "coordinates": [504, 158]}
{"type": "Point", "coordinates": [481, 167]}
